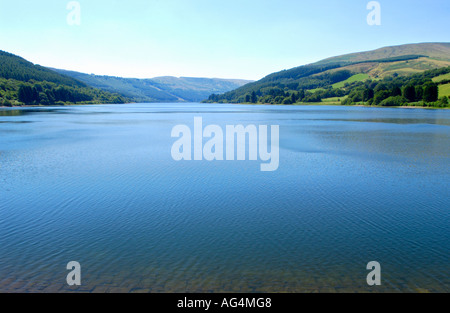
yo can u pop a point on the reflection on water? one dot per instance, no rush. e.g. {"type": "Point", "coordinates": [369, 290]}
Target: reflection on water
{"type": "Point", "coordinates": [10, 112]}
{"type": "Point", "coordinates": [394, 120]}
{"type": "Point", "coordinates": [97, 185]}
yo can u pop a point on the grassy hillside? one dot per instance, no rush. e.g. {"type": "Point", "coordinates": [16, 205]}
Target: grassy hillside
{"type": "Point", "coordinates": [160, 89]}
{"type": "Point", "coordinates": [444, 90]}
{"type": "Point", "coordinates": [338, 76]}
{"type": "Point", "coordinates": [437, 51]}
{"type": "Point", "coordinates": [441, 78]}
{"type": "Point", "coordinates": [425, 56]}
{"type": "Point", "coordinates": [23, 83]}
{"type": "Point", "coordinates": [354, 78]}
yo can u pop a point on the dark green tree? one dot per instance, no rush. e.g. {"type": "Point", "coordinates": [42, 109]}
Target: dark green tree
{"type": "Point", "coordinates": [419, 93]}
{"type": "Point", "coordinates": [43, 99]}
{"type": "Point", "coordinates": [254, 98]}
{"type": "Point", "coordinates": [380, 96]}
{"type": "Point", "coordinates": [26, 94]}
{"type": "Point", "coordinates": [396, 91]}
{"type": "Point", "coordinates": [293, 97]}
{"type": "Point", "coordinates": [409, 92]}
{"type": "Point", "coordinates": [301, 95]}
{"type": "Point", "coordinates": [430, 92]}
{"type": "Point", "coordinates": [368, 94]}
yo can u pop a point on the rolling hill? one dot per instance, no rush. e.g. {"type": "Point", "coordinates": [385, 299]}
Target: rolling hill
{"type": "Point", "coordinates": [339, 76]}
{"type": "Point", "coordinates": [159, 89]}
{"type": "Point", "coordinates": [425, 56]}
{"type": "Point", "coordinates": [438, 51]}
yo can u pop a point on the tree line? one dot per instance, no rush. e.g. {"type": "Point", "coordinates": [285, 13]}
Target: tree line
{"type": "Point", "coordinates": [418, 90]}
{"type": "Point", "coordinates": [13, 92]}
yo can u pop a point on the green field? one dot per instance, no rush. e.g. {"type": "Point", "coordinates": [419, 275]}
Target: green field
{"type": "Point", "coordinates": [334, 100]}
{"type": "Point", "coordinates": [354, 78]}
{"type": "Point", "coordinates": [444, 90]}
{"type": "Point", "coordinates": [315, 90]}
{"type": "Point", "coordinates": [441, 78]}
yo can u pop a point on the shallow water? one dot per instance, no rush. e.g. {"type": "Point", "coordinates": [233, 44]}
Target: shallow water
{"type": "Point", "coordinates": [98, 185]}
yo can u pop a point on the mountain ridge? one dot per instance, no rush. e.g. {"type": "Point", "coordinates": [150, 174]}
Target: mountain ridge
{"type": "Point", "coordinates": [433, 49]}
{"type": "Point", "coordinates": [158, 89]}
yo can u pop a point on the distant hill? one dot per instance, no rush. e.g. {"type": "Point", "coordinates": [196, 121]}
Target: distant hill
{"type": "Point", "coordinates": [22, 82]}
{"type": "Point", "coordinates": [437, 51]}
{"type": "Point", "coordinates": [337, 76]}
{"type": "Point", "coordinates": [160, 89]}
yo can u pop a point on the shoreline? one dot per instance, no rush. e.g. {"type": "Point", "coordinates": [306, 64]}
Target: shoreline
{"type": "Point", "coordinates": [299, 104]}
{"type": "Point", "coordinates": [340, 105]}
{"type": "Point", "coordinates": [59, 106]}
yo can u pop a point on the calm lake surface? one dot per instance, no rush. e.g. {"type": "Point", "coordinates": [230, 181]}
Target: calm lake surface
{"type": "Point", "coordinates": [98, 185]}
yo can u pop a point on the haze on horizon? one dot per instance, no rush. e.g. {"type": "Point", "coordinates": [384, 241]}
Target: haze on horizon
{"type": "Point", "coordinates": [208, 38]}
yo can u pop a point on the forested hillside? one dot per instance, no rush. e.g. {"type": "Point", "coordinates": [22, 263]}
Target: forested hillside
{"type": "Point", "coordinates": [23, 83]}
{"type": "Point", "coordinates": [382, 77]}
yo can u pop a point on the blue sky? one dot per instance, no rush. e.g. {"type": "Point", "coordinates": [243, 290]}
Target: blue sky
{"type": "Point", "coordinates": [246, 39]}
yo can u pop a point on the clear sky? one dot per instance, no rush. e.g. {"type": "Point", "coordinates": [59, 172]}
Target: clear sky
{"type": "Point", "coordinates": [246, 39]}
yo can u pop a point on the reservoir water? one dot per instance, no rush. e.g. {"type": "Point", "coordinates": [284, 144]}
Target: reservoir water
{"type": "Point", "coordinates": [98, 185]}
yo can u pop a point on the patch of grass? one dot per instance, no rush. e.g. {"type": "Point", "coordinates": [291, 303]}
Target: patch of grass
{"type": "Point", "coordinates": [354, 78]}
{"type": "Point", "coordinates": [315, 90]}
{"type": "Point", "coordinates": [444, 90]}
{"type": "Point", "coordinates": [414, 65]}
{"type": "Point", "coordinates": [441, 78]}
{"type": "Point", "coordinates": [334, 99]}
